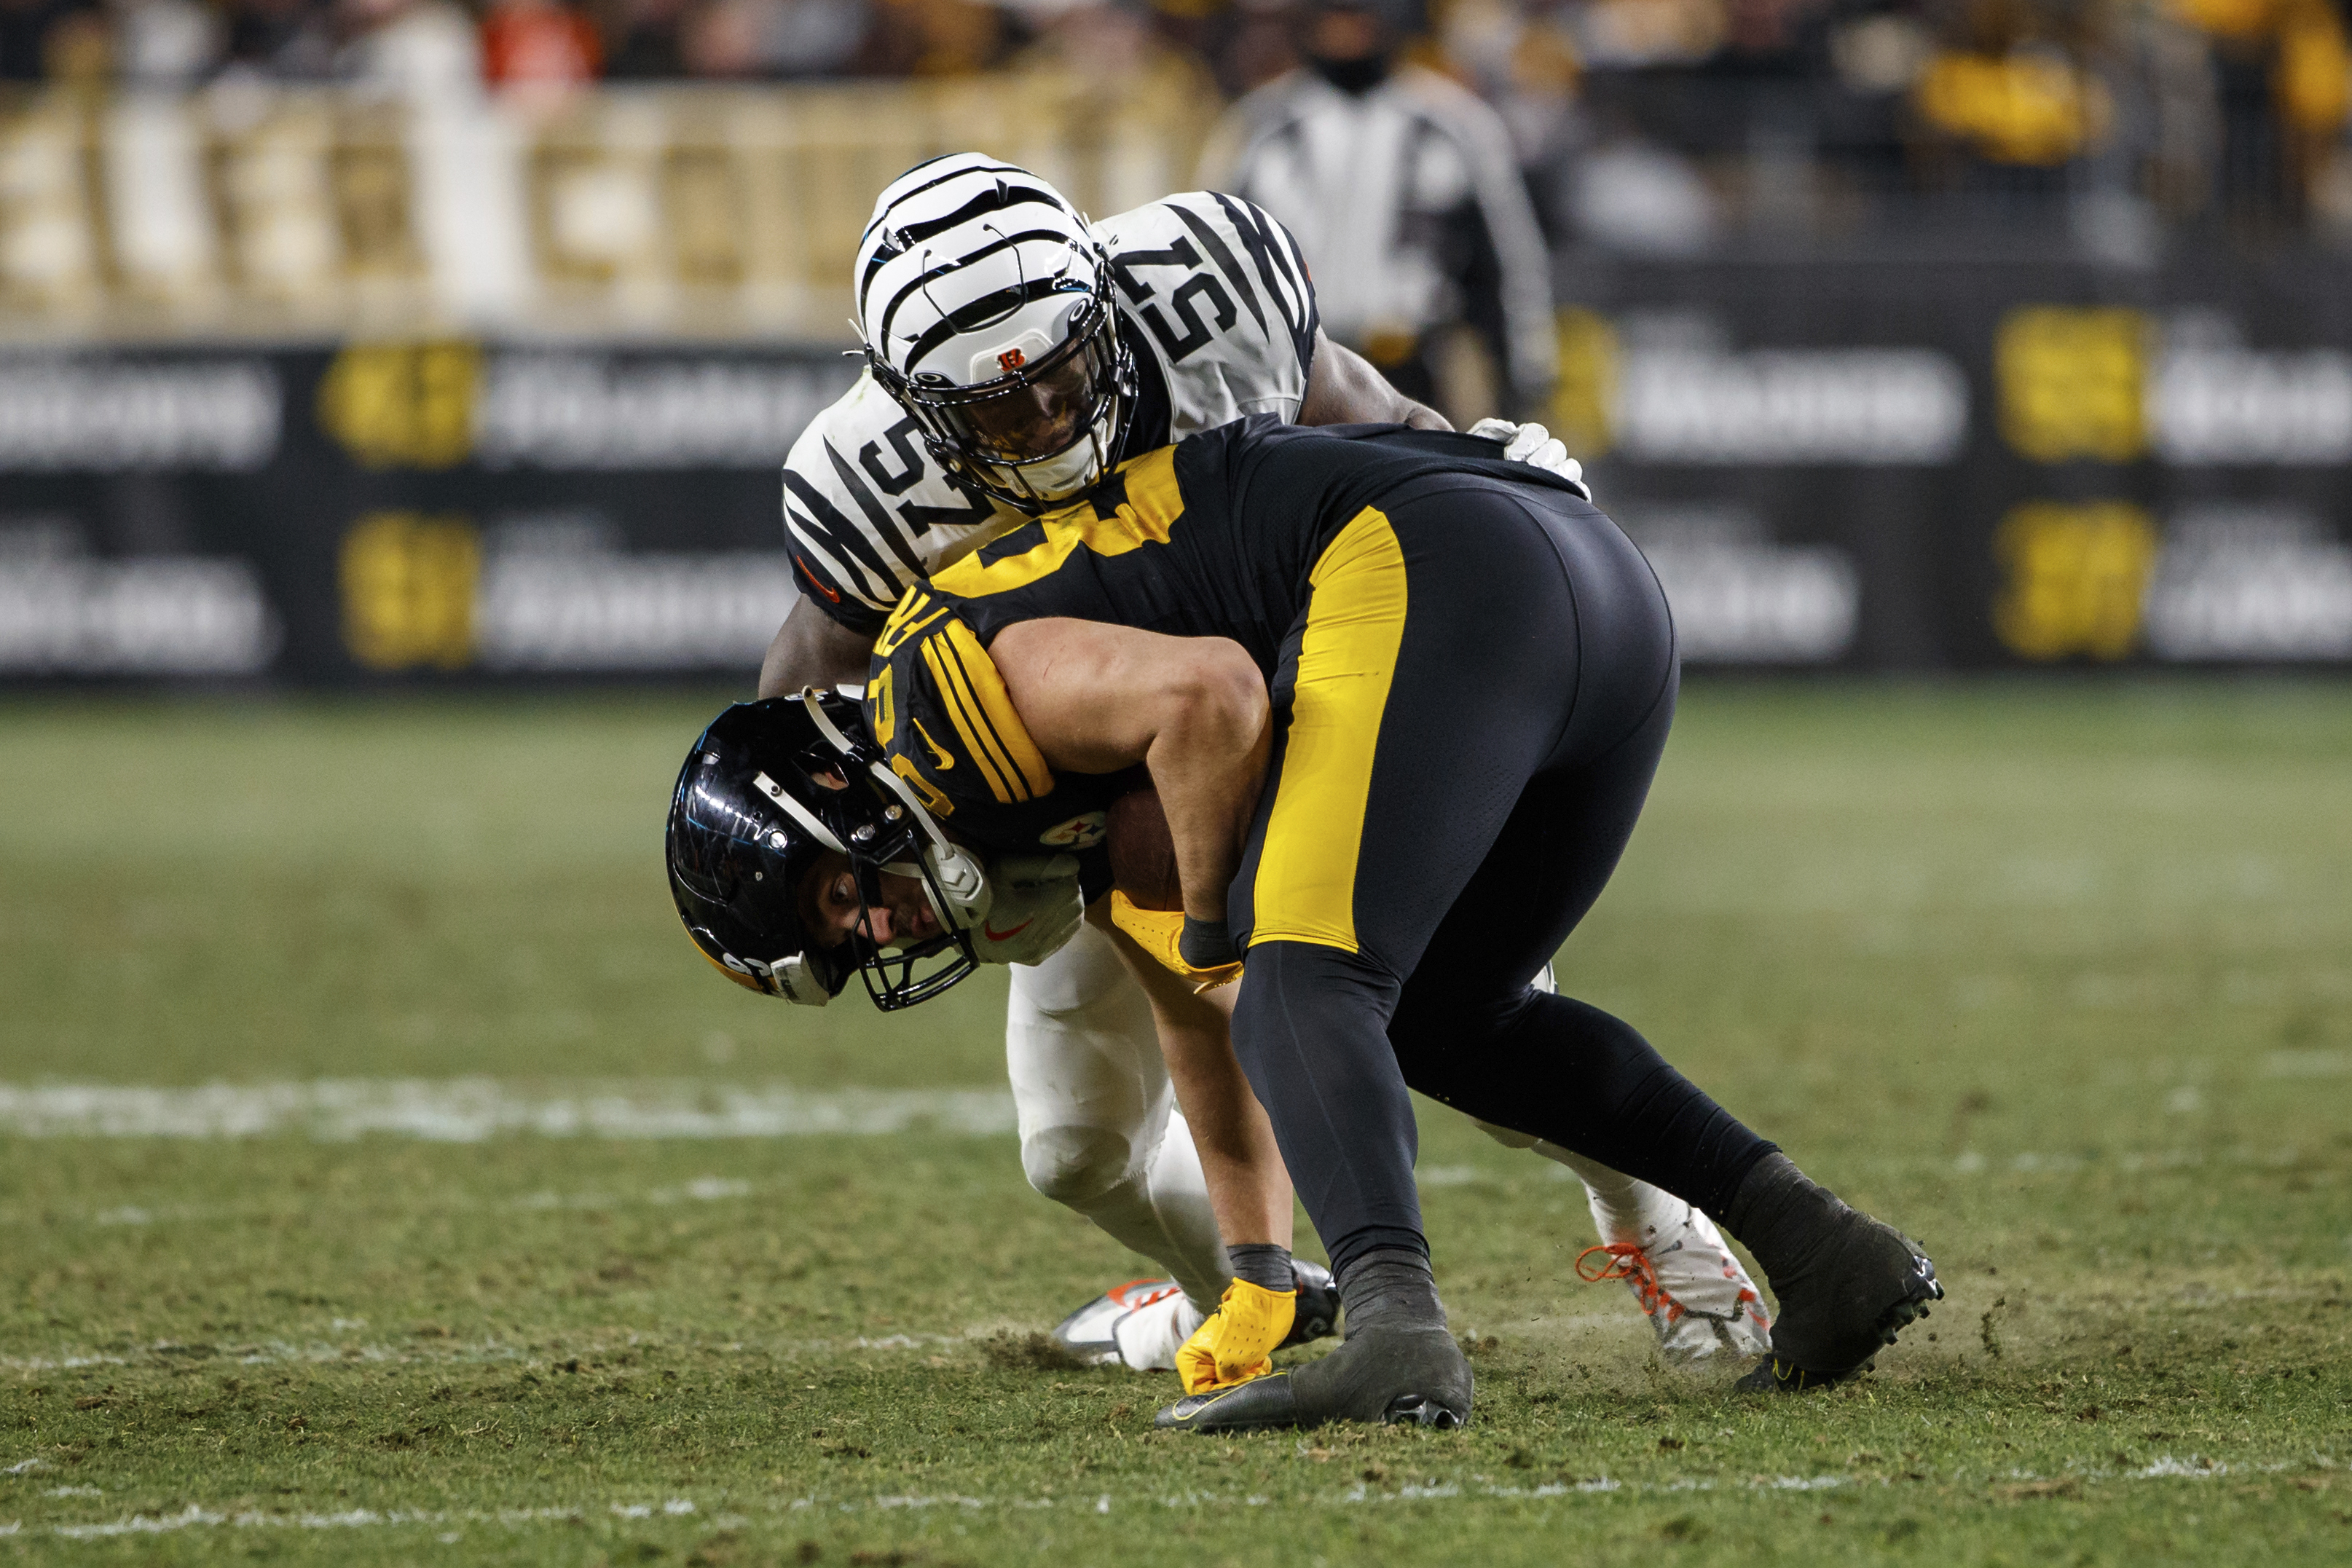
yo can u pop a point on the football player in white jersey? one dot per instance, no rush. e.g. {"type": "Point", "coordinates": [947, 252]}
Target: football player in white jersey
{"type": "Point", "coordinates": [1016, 353]}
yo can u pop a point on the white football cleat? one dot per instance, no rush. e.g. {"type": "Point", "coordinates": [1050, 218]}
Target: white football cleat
{"type": "Point", "coordinates": [1692, 1289]}
{"type": "Point", "coordinates": [1139, 1324]}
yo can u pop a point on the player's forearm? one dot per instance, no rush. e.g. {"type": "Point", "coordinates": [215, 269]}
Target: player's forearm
{"type": "Point", "coordinates": [812, 649]}
{"type": "Point", "coordinates": [1249, 1187]}
{"type": "Point", "coordinates": [1208, 758]}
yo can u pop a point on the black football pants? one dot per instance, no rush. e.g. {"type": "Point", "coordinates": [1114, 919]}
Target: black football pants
{"type": "Point", "coordinates": [1468, 717]}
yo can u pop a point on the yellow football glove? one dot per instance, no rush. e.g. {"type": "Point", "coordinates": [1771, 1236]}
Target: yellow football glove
{"type": "Point", "coordinates": [1155, 931]}
{"type": "Point", "coordinates": [1237, 1342]}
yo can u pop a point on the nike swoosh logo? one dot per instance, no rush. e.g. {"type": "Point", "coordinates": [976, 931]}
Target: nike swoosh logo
{"type": "Point", "coordinates": [941, 759]}
{"type": "Point", "coordinates": [993, 934]}
{"type": "Point", "coordinates": [820, 586]}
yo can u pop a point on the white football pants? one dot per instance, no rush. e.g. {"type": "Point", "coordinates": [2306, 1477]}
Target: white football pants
{"type": "Point", "coordinates": [1099, 1128]}
{"type": "Point", "coordinates": [1100, 1132]}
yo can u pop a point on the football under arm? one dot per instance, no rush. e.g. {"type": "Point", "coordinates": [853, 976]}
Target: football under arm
{"type": "Point", "coordinates": [1342, 388]}
{"type": "Point", "coordinates": [812, 649]}
{"type": "Point", "coordinates": [1097, 698]}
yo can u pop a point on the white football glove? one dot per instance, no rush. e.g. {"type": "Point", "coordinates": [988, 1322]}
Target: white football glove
{"type": "Point", "coordinates": [1536, 447]}
{"type": "Point", "coordinates": [1035, 907]}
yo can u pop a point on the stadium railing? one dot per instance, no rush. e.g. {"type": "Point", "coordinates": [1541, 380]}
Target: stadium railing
{"type": "Point", "coordinates": [679, 212]}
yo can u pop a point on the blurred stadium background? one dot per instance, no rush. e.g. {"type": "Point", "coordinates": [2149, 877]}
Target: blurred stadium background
{"type": "Point", "coordinates": [387, 342]}
{"type": "Point", "coordinates": [377, 1162]}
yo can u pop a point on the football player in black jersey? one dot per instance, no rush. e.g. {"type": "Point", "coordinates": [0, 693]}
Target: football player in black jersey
{"type": "Point", "coordinates": [1015, 352]}
{"type": "Point", "coordinates": [1402, 702]}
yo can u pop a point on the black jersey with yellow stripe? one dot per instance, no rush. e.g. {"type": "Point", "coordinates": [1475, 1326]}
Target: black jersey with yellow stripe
{"type": "Point", "coordinates": [1217, 536]}
{"type": "Point", "coordinates": [937, 707]}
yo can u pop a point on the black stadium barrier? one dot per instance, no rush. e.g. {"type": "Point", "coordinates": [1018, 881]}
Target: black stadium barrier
{"type": "Point", "coordinates": [1925, 466]}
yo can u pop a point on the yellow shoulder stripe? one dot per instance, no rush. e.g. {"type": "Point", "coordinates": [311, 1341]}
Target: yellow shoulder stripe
{"type": "Point", "coordinates": [1153, 505]}
{"type": "Point", "coordinates": [946, 679]}
{"type": "Point", "coordinates": [914, 612]}
{"type": "Point", "coordinates": [973, 693]}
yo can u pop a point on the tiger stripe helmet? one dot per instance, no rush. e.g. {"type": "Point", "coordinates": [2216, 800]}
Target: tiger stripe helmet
{"type": "Point", "coordinates": [983, 299]}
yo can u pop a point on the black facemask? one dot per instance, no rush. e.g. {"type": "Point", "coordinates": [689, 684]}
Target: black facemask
{"type": "Point", "coordinates": [1354, 76]}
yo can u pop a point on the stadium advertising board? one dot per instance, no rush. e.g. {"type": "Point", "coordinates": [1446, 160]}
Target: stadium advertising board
{"type": "Point", "coordinates": [1938, 467]}
{"type": "Point", "coordinates": [1887, 467]}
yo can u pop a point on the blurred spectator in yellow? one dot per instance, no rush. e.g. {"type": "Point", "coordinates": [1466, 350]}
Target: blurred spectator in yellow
{"type": "Point", "coordinates": [539, 45]}
{"type": "Point", "coordinates": [1405, 192]}
{"type": "Point", "coordinates": [416, 48]}
{"type": "Point", "coordinates": [2285, 85]}
{"type": "Point", "coordinates": [2009, 95]}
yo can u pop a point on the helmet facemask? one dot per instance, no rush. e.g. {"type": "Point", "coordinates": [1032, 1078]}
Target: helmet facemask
{"type": "Point", "coordinates": [1045, 429]}
{"type": "Point", "coordinates": [770, 793]}
{"type": "Point", "coordinates": [886, 830]}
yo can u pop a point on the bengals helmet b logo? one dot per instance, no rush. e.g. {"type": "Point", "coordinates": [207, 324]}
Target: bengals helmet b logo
{"type": "Point", "coordinates": [1013, 358]}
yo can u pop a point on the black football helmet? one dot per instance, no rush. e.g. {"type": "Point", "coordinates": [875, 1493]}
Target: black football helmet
{"type": "Point", "coordinates": [769, 789]}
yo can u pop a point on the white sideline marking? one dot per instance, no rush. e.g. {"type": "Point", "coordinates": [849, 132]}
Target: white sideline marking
{"type": "Point", "coordinates": [2164, 1468]}
{"type": "Point", "coordinates": [472, 1110]}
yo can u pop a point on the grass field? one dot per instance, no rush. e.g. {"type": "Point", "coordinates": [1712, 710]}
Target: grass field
{"type": "Point", "coordinates": [539, 1244]}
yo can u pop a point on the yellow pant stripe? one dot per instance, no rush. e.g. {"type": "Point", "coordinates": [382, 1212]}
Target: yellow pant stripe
{"type": "Point", "coordinates": [1305, 886]}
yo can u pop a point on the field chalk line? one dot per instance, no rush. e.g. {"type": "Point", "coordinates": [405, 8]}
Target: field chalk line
{"type": "Point", "coordinates": [474, 1110]}
{"type": "Point", "coordinates": [1477, 1489]}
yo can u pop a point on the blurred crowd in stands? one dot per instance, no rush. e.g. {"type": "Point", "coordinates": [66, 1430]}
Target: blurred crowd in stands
{"type": "Point", "coordinates": [1648, 126]}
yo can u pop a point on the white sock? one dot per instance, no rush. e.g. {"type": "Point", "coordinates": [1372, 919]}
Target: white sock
{"type": "Point", "coordinates": [1622, 1208]}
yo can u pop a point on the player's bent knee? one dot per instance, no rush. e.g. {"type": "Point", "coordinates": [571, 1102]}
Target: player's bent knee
{"type": "Point", "coordinates": [1075, 1165]}
{"type": "Point", "coordinates": [1451, 1019]}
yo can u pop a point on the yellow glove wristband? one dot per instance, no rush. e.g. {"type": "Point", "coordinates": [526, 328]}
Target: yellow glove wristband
{"type": "Point", "coordinates": [1237, 1342]}
{"type": "Point", "coordinates": [1155, 932]}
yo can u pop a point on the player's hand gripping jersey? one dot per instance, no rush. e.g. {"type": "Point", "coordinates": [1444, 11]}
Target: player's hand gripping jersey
{"type": "Point", "coordinates": [1215, 305]}
{"type": "Point", "coordinates": [1227, 533]}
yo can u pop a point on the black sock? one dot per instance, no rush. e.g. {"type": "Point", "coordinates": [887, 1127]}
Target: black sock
{"type": "Point", "coordinates": [1570, 1073]}
{"type": "Point", "coordinates": [1264, 1264]}
{"type": "Point", "coordinates": [1390, 1287]}
{"type": "Point", "coordinates": [1781, 1214]}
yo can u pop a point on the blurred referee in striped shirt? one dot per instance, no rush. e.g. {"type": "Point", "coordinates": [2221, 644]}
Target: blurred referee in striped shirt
{"type": "Point", "coordinates": [1405, 193]}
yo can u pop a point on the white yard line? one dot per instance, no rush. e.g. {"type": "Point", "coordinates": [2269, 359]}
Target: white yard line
{"type": "Point", "coordinates": [472, 1110]}
{"type": "Point", "coordinates": [446, 1353]}
{"type": "Point", "coordinates": [1476, 1489]}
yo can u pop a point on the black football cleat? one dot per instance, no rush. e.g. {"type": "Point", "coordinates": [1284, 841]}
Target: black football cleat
{"type": "Point", "coordinates": [1318, 1312]}
{"type": "Point", "coordinates": [1860, 1287]}
{"type": "Point", "coordinates": [1416, 1377]}
{"type": "Point", "coordinates": [1250, 1407]}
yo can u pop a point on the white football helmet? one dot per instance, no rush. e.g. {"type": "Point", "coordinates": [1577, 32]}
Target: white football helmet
{"type": "Point", "coordinates": [985, 301]}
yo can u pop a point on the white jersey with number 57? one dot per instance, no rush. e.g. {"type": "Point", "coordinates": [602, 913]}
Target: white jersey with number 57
{"type": "Point", "coordinates": [1215, 305]}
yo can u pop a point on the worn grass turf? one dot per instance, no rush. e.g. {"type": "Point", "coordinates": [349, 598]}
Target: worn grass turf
{"type": "Point", "coordinates": [2059, 977]}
